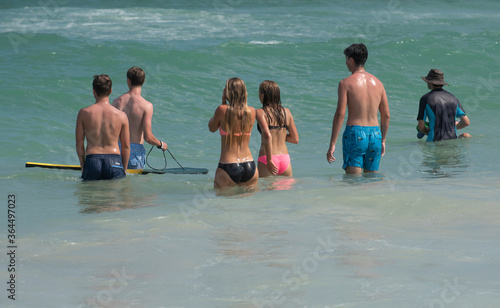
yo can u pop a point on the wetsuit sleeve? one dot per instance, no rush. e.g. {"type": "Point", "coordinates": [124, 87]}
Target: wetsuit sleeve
{"type": "Point", "coordinates": [460, 111]}
{"type": "Point", "coordinates": [421, 108]}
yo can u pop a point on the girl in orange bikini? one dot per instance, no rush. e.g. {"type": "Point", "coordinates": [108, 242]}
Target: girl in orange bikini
{"type": "Point", "coordinates": [276, 126]}
{"type": "Point", "coordinates": [234, 119]}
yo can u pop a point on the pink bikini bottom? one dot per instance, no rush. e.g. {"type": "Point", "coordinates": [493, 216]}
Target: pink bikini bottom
{"type": "Point", "coordinates": [282, 161]}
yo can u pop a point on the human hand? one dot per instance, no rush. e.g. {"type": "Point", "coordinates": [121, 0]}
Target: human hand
{"type": "Point", "coordinates": [382, 152]}
{"type": "Point", "coordinates": [272, 167]}
{"type": "Point", "coordinates": [329, 154]}
{"type": "Point", "coordinates": [163, 146]}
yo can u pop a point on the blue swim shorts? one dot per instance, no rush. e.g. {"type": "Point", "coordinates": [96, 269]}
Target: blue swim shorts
{"type": "Point", "coordinates": [362, 147]}
{"type": "Point", "coordinates": [137, 158]}
{"type": "Point", "coordinates": [103, 167]}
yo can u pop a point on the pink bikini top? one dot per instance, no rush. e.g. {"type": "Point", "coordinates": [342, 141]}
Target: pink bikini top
{"type": "Point", "coordinates": [224, 133]}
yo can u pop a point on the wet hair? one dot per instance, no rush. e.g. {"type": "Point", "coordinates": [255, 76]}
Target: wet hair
{"type": "Point", "coordinates": [358, 52]}
{"type": "Point", "coordinates": [102, 85]}
{"type": "Point", "coordinates": [136, 76]}
{"type": "Point", "coordinates": [238, 115]}
{"type": "Point", "coordinates": [271, 103]}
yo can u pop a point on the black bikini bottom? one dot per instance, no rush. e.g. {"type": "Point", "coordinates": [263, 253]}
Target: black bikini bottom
{"type": "Point", "coordinates": [239, 172]}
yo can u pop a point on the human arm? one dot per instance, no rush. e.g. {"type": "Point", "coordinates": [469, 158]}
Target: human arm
{"type": "Point", "coordinates": [464, 122]}
{"type": "Point", "coordinates": [338, 120]}
{"type": "Point", "coordinates": [385, 118]}
{"type": "Point", "coordinates": [266, 140]}
{"type": "Point", "coordinates": [224, 99]}
{"type": "Point", "coordinates": [424, 129]}
{"type": "Point", "coordinates": [149, 137]}
{"type": "Point", "coordinates": [421, 126]}
{"type": "Point", "coordinates": [125, 141]}
{"type": "Point", "coordinates": [293, 135]}
{"type": "Point", "coordinates": [80, 139]}
{"type": "Point", "coordinates": [214, 122]}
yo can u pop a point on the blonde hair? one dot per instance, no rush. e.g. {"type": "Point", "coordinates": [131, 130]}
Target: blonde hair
{"type": "Point", "coordinates": [238, 116]}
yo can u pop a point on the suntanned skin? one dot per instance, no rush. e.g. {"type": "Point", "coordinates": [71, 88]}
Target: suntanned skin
{"type": "Point", "coordinates": [140, 113]}
{"type": "Point", "coordinates": [103, 126]}
{"type": "Point", "coordinates": [274, 142]}
{"type": "Point", "coordinates": [464, 121]}
{"type": "Point", "coordinates": [364, 96]}
{"type": "Point", "coordinates": [231, 153]}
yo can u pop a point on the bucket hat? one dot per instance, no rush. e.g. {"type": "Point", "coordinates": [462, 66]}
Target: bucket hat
{"type": "Point", "coordinates": [435, 77]}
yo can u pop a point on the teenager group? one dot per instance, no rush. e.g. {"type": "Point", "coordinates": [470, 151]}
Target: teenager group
{"type": "Point", "coordinates": [109, 129]}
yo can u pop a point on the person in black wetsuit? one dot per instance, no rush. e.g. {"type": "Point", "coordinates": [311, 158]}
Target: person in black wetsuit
{"type": "Point", "coordinates": [441, 109]}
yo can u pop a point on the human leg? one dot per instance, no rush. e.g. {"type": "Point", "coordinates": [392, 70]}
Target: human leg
{"type": "Point", "coordinates": [222, 179]}
{"type": "Point", "coordinates": [354, 145]}
{"type": "Point", "coordinates": [374, 149]}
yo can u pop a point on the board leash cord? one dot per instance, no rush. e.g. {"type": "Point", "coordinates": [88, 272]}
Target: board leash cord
{"type": "Point", "coordinates": [164, 159]}
{"type": "Point", "coordinates": [173, 158]}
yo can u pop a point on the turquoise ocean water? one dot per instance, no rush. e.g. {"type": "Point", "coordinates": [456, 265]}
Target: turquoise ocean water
{"type": "Point", "coordinates": [424, 232]}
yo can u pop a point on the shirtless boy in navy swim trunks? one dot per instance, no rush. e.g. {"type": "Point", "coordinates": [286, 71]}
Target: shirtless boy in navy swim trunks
{"type": "Point", "coordinates": [102, 125]}
{"type": "Point", "coordinates": [363, 141]}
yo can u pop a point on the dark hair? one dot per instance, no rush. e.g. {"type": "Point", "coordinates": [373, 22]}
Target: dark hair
{"type": "Point", "coordinates": [358, 52]}
{"type": "Point", "coordinates": [271, 102]}
{"type": "Point", "coordinates": [102, 85]}
{"type": "Point", "coordinates": [136, 76]}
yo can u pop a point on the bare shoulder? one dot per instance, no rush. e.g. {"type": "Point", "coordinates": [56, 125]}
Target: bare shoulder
{"type": "Point", "coordinates": [121, 114]}
{"type": "Point", "coordinates": [376, 80]}
{"type": "Point", "coordinates": [82, 113]}
{"type": "Point", "coordinates": [119, 100]}
{"type": "Point", "coordinates": [220, 111]}
{"type": "Point", "coordinates": [252, 110]}
{"type": "Point", "coordinates": [347, 81]}
{"type": "Point", "coordinates": [142, 102]}
{"type": "Point", "coordinates": [221, 108]}
{"type": "Point", "coordinates": [87, 110]}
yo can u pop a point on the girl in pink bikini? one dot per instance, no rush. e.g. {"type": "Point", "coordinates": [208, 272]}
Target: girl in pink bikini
{"type": "Point", "coordinates": [276, 126]}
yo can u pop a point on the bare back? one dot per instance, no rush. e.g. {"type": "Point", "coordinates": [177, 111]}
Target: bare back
{"type": "Point", "coordinates": [236, 151]}
{"type": "Point", "coordinates": [102, 126]}
{"type": "Point", "coordinates": [364, 94]}
{"type": "Point", "coordinates": [279, 135]}
{"type": "Point", "coordinates": [139, 111]}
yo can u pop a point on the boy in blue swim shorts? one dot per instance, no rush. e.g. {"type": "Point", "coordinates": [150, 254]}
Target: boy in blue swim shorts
{"type": "Point", "coordinates": [364, 96]}
{"type": "Point", "coordinates": [137, 158]}
{"type": "Point", "coordinates": [140, 113]}
{"type": "Point", "coordinates": [362, 147]}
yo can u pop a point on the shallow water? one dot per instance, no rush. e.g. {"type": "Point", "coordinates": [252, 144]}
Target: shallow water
{"type": "Point", "coordinates": [421, 233]}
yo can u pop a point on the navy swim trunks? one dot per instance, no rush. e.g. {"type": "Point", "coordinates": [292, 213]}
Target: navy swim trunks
{"type": "Point", "coordinates": [362, 147]}
{"type": "Point", "coordinates": [103, 167]}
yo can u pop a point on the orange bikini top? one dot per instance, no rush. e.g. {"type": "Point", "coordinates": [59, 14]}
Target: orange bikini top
{"type": "Point", "coordinates": [224, 133]}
